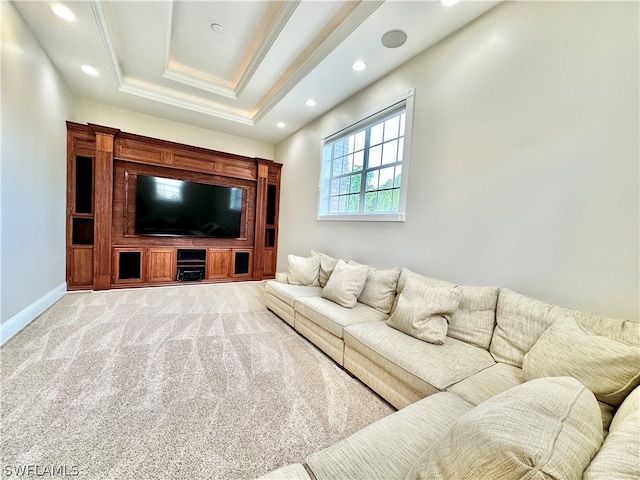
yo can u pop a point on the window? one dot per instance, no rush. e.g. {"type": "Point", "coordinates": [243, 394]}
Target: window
{"type": "Point", "coordinates": [364, 166]}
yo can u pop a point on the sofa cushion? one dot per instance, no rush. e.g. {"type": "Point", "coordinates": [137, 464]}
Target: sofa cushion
{"type": "Point", "coordinates": [488, 383]}
{"type": "Point", "coordinates": [423, 311]}
{"type": "Point", "coordinates": [380, 288]}
{"type": "Point", "coordinates": [345, 284]}
{"type": "Point", "coordinates": [619, 456]}
{"type": "Point", "coordinates": [475, 318]}
{"type": "Point", "coordinates": [409, 277]}
{"type": "Point", "coordinates": [334, 318]}
{"type": "Point", "coordinates": [625, 331]}
{"type": "Point", "coordinates": [608, 367]}
{"type": "Point", "coordinates": [327, 264]}
{"type": "Point", "coordinates": [412, 361]}
{"type": "Point", "coordinates": [546, 428]}
{"type": "Point", "coordinates": [389, 447]}
{"type": "Point", "coordinates": [520, 321]}
{"type": "Point", "coordinates": [289, 293]}
{"type": "Point", "coordinates": [303, 270]}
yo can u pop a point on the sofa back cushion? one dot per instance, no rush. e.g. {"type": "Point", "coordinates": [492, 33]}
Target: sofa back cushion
{"type": "Point", "coordinates": [379, 290]}
{"type": "Point", "coordinates": [327, 264]}
{"type": "Point", "coordinates": [474, 320]}
{"type": "Point", "coordinates": [618, 458]}
{"type": "Point", "coordinates": [520, 321]}
{"type": "Point", "coordinates": [605, 364]}
{"type": "Point", "coordinates": [544, 429]}
{"type": "Point", "coordinates": [303, 270]}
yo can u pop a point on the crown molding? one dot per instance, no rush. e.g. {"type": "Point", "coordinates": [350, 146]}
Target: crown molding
{"type": "Point", "coordinates": [181, 100]}
{"type": "Point", "coordinates": [340, 27]}
{"type": "Point", "coordinates": [198, 80]}
{"type": "Point", "coordinates": [264, 41]}
{"type": "Point", "coordinates": [105, 36]}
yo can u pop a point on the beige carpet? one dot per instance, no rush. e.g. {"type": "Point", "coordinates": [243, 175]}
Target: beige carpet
{"type": "Point", "coordinates": [186, 382]}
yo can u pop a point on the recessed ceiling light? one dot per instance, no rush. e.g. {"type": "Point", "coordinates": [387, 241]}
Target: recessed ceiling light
{"type": "Point", "coordinates": [89, 70]}
{"type": "Point", "coordinates": [449, 3]}
{"type": "Point", "coordinates": [310, 102]}
{"type": "Point", "coordinates": [394, 38]}
{"type": "Point", "coordinates": [280, 125]}
{"type": "Point", "coordinates": [216, 27]}
{"type": "Point", "coordinates": [63, 12]}
{"type": "Point", "coordinates": [359, 65]}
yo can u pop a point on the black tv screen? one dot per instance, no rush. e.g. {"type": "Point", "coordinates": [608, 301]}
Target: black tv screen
{"type": "Point", "coordinates": [169, 207]}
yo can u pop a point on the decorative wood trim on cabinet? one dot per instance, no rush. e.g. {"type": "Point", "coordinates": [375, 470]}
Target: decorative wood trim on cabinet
{"type": "Point", "coordinates": [103, 195]}
{"type": "Point", "coordinates": [150, 151]}
{"type": "Point", "coordinates": [261, 206]}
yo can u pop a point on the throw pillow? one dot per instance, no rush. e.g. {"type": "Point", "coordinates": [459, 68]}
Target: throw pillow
{"type": "Point", "coordinates": [303, 271]}
{"type": "Point", "coordinates": [423, 311]}
{"type": "Point", "coordinates": [618, 457]}
{"type": "Point", "coordinates": [327, 264]}
{"type": "Point", "coordinates": [345, 284]}
{"type": "Point", "coordinates": [544, 429]}
{"type": "Point", "coordinates": [607, 367]}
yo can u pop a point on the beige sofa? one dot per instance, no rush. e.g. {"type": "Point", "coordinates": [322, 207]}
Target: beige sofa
{"type": "Point", "coordinates": [489, 353]}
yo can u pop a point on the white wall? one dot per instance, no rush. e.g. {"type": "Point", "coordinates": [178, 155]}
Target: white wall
{"type": "Point", "coordinates": [35, 105]}
{"type": "Point", "coordinates": [525, 162]}
{"type": "Point", "coordinates": [147, 125]}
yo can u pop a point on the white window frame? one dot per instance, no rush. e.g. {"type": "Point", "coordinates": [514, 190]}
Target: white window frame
{"type": "Point", "coordinates": [363, 121]}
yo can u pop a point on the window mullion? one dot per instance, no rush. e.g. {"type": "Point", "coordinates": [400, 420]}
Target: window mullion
{"type": "Point", "coordinates": [330, 196]}
{"type": "Point", "coordinates": [365, 169]}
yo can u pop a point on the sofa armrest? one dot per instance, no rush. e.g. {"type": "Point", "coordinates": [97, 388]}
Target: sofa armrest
{"type": "Point", "coordinates": [282, 277]}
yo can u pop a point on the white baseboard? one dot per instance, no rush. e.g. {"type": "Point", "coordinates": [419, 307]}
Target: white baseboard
{"type": "Point", "coordinates": [16, 323]}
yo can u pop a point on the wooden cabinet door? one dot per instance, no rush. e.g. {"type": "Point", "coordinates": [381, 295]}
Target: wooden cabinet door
{"type": "Point", "coordinates": [80, 267]}
{"type": "Point", "coordinates": [161, 265]}
{"type": "Point", "coordinates": [218, 263]}
{"type": "Point", "coordinates": [269, 263]}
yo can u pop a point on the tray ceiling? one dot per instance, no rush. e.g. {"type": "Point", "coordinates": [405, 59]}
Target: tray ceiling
{"type": "Point", "coordinates": [238, 67]}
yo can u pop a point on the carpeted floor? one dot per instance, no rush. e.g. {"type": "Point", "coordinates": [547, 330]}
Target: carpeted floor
{"type": "Point", "coordinates": [189, 382]}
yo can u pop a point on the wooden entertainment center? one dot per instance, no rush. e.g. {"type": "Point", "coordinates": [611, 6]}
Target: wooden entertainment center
{"type": "Point", "coordinates": [103, 249]}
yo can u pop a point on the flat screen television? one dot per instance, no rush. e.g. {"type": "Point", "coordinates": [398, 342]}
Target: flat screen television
{"type": "Point", "coordinates": [178, 208]}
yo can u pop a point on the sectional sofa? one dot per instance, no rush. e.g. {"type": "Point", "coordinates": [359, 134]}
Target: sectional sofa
{"type": "Point", "coordinates": [488, 383]}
